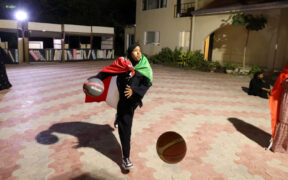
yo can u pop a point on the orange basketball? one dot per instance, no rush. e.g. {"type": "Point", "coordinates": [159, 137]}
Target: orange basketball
{"type": "Point", "coordinates": [171, 147]}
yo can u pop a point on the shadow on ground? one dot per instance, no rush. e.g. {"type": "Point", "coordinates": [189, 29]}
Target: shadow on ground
{"type": "Point", "coordinates": [253, 133]}
{"type": "Point", "coordinates": [100, 175]}
{"type": "Point", "coordinates": [98, 137]}
{"type": "Point", "coordinates": [245, 89]}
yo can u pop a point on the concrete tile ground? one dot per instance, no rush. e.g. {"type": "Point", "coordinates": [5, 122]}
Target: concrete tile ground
{"type": "Point", "coordinates": [48, 132]}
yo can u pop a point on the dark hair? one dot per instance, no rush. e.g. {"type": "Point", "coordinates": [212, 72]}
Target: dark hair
{"type": "Point", "coordinates": [130, 49]}
{"type": "Point", "coordinates": [257, 74]}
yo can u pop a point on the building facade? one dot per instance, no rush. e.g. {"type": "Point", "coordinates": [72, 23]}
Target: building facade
{"type": "Point", "coordinates": [33, 41]}
{"type": "Point", "coordinates": [157, 25]}
{"type": "Point", "coordinates": [200, 25]}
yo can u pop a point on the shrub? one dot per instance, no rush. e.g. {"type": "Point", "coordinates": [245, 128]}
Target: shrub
{"type": "Point", "coordinates": [255, 68]}
{"type": "Point", "coordinates": [196, 60]}
{"type": "Point", "coordinates": [215, 66]}
{"type": "Point", "coordinates": [154, 59]}
{"type": "Point", "coordinates": [166, 55]}
{"type": "Point", "coordinates": [189, 59]}
{"type": "Point", "coordinates": [229, 66]}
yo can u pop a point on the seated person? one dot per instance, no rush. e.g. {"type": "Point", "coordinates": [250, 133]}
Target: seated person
{"type": "Point", "coordinates": [4, 59]}
{"type": "Point", "coordinates": [258, 87]}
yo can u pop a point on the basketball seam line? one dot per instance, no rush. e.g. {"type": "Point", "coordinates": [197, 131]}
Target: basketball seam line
{"type": "Point", "coordinates": [176, 141]}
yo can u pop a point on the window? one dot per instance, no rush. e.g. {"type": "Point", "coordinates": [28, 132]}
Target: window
{"type": "Point", "coordinates": [153, 4]}
{"type": "Point", "coordinates": [35, 44]}
{"type": "Point", "coordinates": [152, 37]}
{"type": "Point", "coordinates": [57, 43]}
{"type": "Point", "coordinates": [130, 39]}
{"type": "Point", "coordinates": [184, 39]}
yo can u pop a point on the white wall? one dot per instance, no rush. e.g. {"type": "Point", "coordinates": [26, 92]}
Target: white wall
{"type": "Point", "coordinates": [8, 24]}
{"type": "Point", "coordinates": [77, 28]}
{"type": "Point", "coordinates": [281, 54]}
{"type": "Point", "coordinates": [44, 27]}
{"type": "Point", "coordinates": [161, 20]}
{"type": "Point", "coordinates": [229, 40]}
{"type": "Point", "coordinates": [102, 30]}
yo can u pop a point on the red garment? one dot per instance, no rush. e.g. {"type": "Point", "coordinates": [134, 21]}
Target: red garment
{"type": "Point", "coordinates": [103, 96]}
{"type": "Point", "coordinates": [120, 65]}
{"type": "Point", "coordinates": [275, 98]}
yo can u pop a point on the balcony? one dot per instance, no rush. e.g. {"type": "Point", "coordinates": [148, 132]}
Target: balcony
{"type": "Point", "coordinates": [184, 10]}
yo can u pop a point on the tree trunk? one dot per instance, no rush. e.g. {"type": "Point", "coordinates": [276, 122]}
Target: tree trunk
{"type": "Point", "coordinates": [245, 49]}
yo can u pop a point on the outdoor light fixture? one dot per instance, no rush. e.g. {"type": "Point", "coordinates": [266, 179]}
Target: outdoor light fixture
{"type": "Point", "coordinates": [21, 15]}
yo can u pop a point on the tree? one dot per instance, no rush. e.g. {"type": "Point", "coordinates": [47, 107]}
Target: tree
{"type": "Point", "coordinates": [251, 23]}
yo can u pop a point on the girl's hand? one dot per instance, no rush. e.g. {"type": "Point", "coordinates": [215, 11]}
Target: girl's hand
{"type": "Point", "coordinates": [128, 91]}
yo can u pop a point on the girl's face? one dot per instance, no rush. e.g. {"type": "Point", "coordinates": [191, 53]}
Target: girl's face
{"type": "Point", "coordinates": [261, 76]}
{"type": "Point", "coordinates": [136, 53]}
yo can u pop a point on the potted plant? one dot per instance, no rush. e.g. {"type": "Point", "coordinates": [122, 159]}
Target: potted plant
{"type": "Point", "coordinates": [254, 69]}
{"type": "Point", "coordinates": [213, 66]}
{"type": "Point", "coordinates": [229, 67]}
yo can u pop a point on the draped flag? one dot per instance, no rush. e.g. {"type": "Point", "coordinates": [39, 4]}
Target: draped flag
{"type": "Point", "coordinates": [120, 65]}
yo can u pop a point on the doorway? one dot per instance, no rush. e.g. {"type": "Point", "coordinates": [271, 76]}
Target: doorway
{"type": "Point", "coordinates": [208, 47]}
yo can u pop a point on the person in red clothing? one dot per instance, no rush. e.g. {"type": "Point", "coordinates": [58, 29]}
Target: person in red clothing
{"type": "Point", "coordinates": [278, 102]}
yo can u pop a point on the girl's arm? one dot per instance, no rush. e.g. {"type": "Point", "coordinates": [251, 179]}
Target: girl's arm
{"type": "Point", "coordinates": [140, 84]}
{"type": "Point", "coordinates": [102, 75]}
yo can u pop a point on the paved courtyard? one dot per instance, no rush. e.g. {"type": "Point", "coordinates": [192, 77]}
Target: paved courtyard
{"type": "Point", "coordinates": [48, 132]}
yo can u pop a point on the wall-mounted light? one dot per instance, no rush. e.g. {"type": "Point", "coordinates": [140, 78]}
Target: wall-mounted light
{"type": "Point", "coordinates": [21, 15]}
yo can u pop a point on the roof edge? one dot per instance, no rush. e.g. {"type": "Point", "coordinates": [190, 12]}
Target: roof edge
{"type": "Point", "coordinates": [252, 7]}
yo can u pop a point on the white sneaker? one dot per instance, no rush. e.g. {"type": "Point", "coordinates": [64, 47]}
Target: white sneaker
{"type": "Point", "coordinates": [127, 164]}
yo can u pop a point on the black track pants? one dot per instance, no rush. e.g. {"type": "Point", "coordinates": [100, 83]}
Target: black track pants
{"type": "Point", "coordinates": [125, 113]}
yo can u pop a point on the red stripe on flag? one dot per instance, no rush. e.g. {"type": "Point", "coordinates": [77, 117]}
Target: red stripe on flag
{"type": "Point", "coordinates": [103, 96]}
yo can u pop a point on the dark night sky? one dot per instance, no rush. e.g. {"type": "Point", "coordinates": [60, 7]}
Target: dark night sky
{"type": "Point", "coordinates": [113, 13]}
{"type": "Point", "coordinates": [84, 12]}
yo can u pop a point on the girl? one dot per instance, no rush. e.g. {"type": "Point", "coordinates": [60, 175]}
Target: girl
{"type": "Point", "coordinates": [134, 78]}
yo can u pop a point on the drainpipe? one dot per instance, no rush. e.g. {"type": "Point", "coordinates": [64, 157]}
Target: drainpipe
{"type": "Point", "coordinates": [192, 32]}
{"type": "Point", "coordinates": [178, 8]}
{"type": "Point", "coordinates": [91, 38]}
{"type": "Point", "coordinates": [192, 28]}
{"type": "Point", "coordinates": [276, 43]}
{"type": "Point", "coordinates": [63, 43]}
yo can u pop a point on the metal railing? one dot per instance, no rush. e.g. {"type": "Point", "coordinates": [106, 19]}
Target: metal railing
{"type": "Point", "coordinates": [184, 10]}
